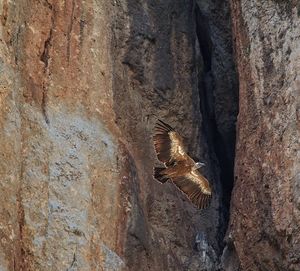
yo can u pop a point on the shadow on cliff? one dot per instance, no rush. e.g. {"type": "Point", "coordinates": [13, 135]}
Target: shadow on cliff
{"type": "Point", "coordinates": [154, 64]}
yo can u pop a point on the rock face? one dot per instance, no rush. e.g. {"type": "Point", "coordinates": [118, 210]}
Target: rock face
{"type": "Point", "coordinates": [59, 146]}
{"type": "Point", "coordinates": [265, 212]}
{"type": "Point", "coordinates": [82, 83]}
{"type": "Point", "coordinates": [81, 86]}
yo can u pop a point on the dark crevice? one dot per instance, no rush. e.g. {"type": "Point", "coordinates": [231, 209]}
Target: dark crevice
{"type": "Point", "coordinates": [16, 40]}
{"type": "Point", "coordinates": [69, 32]}
{"type": "Point", "coordinates": [204, 40]}
{"type": "Point", "coordinates": [221, 141]}
{"type": "Point", "coordinates": [44, 103]}
{"type": "Point", "coordinates": [45, 56]}
{"type": "Point", "coordinates": [73, 263]}
{"type": "Point", "coordinates": [48, 42]}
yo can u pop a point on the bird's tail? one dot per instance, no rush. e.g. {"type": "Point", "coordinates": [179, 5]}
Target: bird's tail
{"type": "Point", "coordinates": [158, 174]}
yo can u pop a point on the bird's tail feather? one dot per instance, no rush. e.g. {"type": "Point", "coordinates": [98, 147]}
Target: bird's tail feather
{"type": "Point", "coordinates": [158, 174]}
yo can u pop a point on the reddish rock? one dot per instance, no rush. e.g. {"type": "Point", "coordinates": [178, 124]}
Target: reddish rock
{"type": "Point", "coordinates": [264, 224]}
{"type": "Point", "coordinates": [81, 86]}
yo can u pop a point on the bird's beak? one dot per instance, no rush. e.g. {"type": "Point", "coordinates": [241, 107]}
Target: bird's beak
{"type": "Point", "coordinates": [200, 164]}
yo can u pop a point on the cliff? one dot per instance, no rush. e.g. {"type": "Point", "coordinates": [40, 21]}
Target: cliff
{"type": "Point", "coordinates": [264, 224]}
{"type": "Point", "coordinates": [81, 86]}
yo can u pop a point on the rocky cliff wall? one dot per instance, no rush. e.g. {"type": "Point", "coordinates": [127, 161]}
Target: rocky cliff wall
{"type": "Point", "coordinates": [82, 83]}
{"type": "Point", "coordinates": [59, 145]}
{"type": "Point", "coordinates": [264, 223]}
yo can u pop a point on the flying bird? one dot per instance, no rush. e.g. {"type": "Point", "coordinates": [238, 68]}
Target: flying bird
{"type": "Point", "coordinates": [179, 168]}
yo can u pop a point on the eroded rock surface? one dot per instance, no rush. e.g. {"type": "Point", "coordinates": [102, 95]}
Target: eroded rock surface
{"type": "Point", "coordinates": [81, 85]}
{"type": "Point", "coordinates": [265, 209]}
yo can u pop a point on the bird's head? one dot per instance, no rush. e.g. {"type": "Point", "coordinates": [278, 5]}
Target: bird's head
{"type": "Point", "coordinates": [199, 165]}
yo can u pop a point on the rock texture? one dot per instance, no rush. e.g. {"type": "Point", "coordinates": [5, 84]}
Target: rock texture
{"type": "Point", "coordinates": [218, 90]}
{"type": "Point", "coordinates": [59, 146]}
{"type": "Point", "coordinates": [264, 225]}
{"type": "Point", "coordinates": [81, 85]}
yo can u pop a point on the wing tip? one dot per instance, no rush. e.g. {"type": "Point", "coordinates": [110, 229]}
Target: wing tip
{"type": "Point", "coordinates": [159, 175]}
{"type": "Point", "coordinates": [204, 202]}
{"type": "Point", "coordinates": [164, 126]}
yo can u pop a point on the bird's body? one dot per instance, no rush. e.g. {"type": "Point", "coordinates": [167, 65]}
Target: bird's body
{"type": "Point", "coordinates": [180, 168]}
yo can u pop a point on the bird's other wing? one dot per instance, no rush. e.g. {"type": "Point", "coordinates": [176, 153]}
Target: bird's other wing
{"type": "Point", "coordinates": [168, 143]}
{"type": "Point", "coordinates": [196, 187]}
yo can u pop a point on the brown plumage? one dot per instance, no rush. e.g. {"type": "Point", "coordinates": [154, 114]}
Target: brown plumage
{"type": "Point", "coordinates": [180, 168]}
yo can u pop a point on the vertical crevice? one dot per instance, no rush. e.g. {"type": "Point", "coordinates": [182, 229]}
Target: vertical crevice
{"type": "Point", "coordinates": [69, 32]}
{"type": "Point", "coordinates": [218, 99]}
{"type": "Point", "coordinates": [45, 56]}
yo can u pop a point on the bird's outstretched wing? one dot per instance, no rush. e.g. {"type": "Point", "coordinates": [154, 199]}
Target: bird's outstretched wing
{"type": "Point", "coordinates": [168, 143]}
{"type": "Point", "coordinates": [196, 187]}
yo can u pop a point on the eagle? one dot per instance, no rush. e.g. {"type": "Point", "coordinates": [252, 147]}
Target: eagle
{"type": "Point", "coordinates": [179, 168]}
